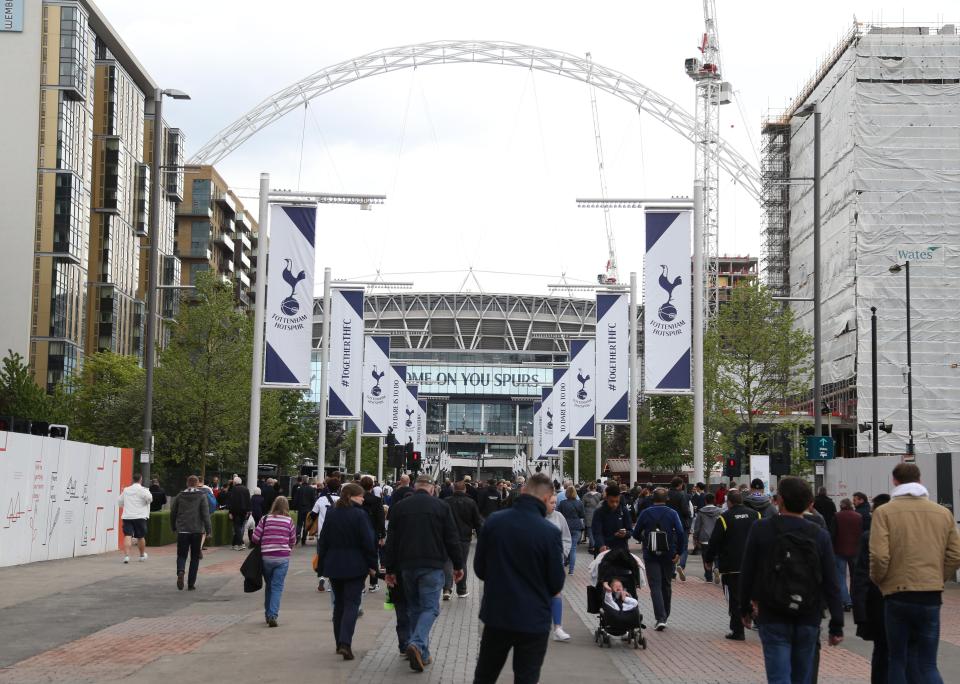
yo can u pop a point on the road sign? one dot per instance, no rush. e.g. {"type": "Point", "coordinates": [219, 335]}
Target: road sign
{"type": "Point", "coordinates": [819, 448]}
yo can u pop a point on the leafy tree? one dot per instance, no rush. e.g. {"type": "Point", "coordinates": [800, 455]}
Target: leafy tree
{"type": "Point", "coordinates": [202, 383]}
{"type": "Point", "coordinates": [665, 433]}
{"type": "Point", "coordinates": [19, 393]}
{"type": "Point", "coordinates": [755, 361]}
{"type": "Point", "coordinates": [288, 429]}
{"type": "Point", "coordinates": [369, 448]}
{"type": "Point", "coordinates": [104, 405]}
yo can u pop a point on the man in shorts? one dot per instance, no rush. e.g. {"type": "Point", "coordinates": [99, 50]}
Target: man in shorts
{"type": "Point", "coordinates": [135, 502]}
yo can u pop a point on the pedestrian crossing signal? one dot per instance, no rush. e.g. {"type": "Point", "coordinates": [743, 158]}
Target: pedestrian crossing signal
{"type": "Point", "coordinates": [731, 466]}
{"type": "Point", "coordinates": [413, 461]}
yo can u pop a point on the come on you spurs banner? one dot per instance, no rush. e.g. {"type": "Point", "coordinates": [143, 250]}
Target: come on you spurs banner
{"type": "Point", "coordinates": [346, 354]}
{"type": "Point", "coordinates": [289, 305]}
{"type": "Point", "coordinates": [667, 310]}
{"type": "Point", "coordinates": [612, 361]}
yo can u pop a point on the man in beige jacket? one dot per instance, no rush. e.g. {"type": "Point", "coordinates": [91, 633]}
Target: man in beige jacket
{"type": "Point", "coordinates": [914, 547]}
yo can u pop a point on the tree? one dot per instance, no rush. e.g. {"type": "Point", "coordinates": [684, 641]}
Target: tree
{"type": "Point", "coordinates": [288, 427]}
{"type": "Point", "coordinates": [202, 389]}
{"type": "Point", "coordinates": [755, 362]}
{"type": "Point", "coordinates": [665, 433]}
{"type": "Point", "coordinates": [104, 405]}
{"type": "Point", "coordinates": [20, 395]}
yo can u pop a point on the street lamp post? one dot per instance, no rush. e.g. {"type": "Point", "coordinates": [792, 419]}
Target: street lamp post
{"type": "Point", "coordinates": [150, 332]}
{"type": "Point", "coordinates": [896, 268]}
{"type": "Point", "coordinates": [873, 374]}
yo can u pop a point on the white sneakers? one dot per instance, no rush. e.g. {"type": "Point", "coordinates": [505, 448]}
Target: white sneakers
{"type": "Point", "coordinates": [661, 626]}
{"type": "Point", "coordinates": [143, 558]}
{"type": "Point", "coordinates": [126, 559]}
{"type": "Point", "coordinates": [559, 634]}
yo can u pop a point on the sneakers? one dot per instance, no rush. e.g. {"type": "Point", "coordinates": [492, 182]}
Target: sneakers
{"type": "Point", "coordinates": [374, 588]}
{"type": "Point", "coordinates": [126, 559]}
{"type": "Point", "coordinates": [180, 581]}
{"type": "Point", "coordinates": [415, 658]}
{"type": "Point", "coordinates": [446, 594]}
{"type": "Point", "coordinates": [345, 652]}
{"type": "Point", "coordinates": [735, 637]}
{"type": "Point", "coordinates": [463, 595]}
{"type": "Point", "coordinates": [716, 577]}
{"type": "Point", "coordinates": [661, 626]}
{"type": "Point", "coordinates": [559, 634]}
{"type": "Point", "coordinates": [681, 574]}
{"type": "Point", "coordinates": [321, 586]}
{"type": "Point", "coordinates": [143, 558]}
{"type": "Point", "coordinates": [271, 622]}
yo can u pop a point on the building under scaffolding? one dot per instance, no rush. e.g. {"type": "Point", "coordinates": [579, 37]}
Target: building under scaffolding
{"type": "Point", "coordinates": [890, 165]}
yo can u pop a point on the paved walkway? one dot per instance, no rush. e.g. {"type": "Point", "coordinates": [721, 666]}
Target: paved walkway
{"type": "Point", "coordinates": [96, 620]}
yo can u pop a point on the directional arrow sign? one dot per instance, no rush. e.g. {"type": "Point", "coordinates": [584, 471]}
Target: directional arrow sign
{"type": "Point", "coordinates": [819, 448]}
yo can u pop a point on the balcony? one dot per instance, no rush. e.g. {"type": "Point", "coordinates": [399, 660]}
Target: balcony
{"type": "Point", "coordinates": [243, 222]}
{"type": "Point", "coordinates": [243, 239]}
{"type": "Point", "coordinates": [225, 201]}
{"type": "Point", "coordinates": [173, 178]}
{"type": "Point", "coordinates": [141, 200]}
{"type": "Point", "coordinates": [244, 260]}
{"type": "Point", "coordinates": [223, 240]}
{"type": "Point", "coordinates": [243, 278]}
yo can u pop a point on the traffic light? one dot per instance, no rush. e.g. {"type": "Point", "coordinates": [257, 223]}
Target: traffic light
{"type": "Point", "coordinates": [413, 461]}
{"type": "Point", "coordinates": [395, 456]}
{"type": "Point", "coordinates": [780, 454]}
{"type": "Point", "coordinates": [731, 466]}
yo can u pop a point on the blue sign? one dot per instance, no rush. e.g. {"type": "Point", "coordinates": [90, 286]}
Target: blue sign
{"type": "Point", "coordinates": [11, 15]}
{"type": "Point", "coordinates": [819, 448]}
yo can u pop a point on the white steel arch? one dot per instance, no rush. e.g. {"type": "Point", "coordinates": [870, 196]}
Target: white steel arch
{"type": "Point", "coordinates": [482, 52]}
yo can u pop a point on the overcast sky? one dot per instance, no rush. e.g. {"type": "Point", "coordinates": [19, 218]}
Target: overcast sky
{"type": "Point", "coordinates": [481, 163]}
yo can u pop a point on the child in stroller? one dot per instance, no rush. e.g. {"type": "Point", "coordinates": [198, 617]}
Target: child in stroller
{"type": "Point", "coordinates": [617, 577]}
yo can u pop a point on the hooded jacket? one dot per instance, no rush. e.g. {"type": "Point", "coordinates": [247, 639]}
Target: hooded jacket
{"type": "Point", "coordinates": [190, 513]}
{"type": "Point", "coordinates": [761, 504]}
{"type": "Point", "coordinates": [729, 538]}
{"type": "Point", "coordinates": [704, 523]}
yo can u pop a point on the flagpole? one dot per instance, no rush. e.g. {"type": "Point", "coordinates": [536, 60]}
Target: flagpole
{"type": "Point", "coordinates": [324, 362]}
{"type": "Point", "coordinates": [259, 313]}
{"type": "Point", "coordinates": [634, 380]}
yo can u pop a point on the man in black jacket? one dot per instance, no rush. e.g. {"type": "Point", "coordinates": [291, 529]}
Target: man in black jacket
{"type": "Point", "coordinates": [726, 546]}
{"type": "Point", "coordinates": [373, 505]}
{"type": "Point", "coordinates": [612, 521]}
{"type": "Point", "coordinates": [238, 506]}
{"type": "Point", "coordinates": [468, 519]}
{"type": "Point", "coordinates": [303, 501]}
{"type": "Point", "coordinates": [520, 558]}
{"type": "Point", "coordinates": [422, 536]}
{"type": "Point", "coordinates": [679, 500]}
{"type": "Point", "coordinates": [488, 499]}
{"type": "Point", "coordinates": [190, 520]}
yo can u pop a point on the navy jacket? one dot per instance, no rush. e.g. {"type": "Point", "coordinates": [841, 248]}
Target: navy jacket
{"type": "Point", "coordinates": [422, 534]}
{"type": "Point", "coordinates": [607, 522]}
{"type": "Point", "coordinates": [667, 519]}
{"type": "Point", "coordinates": [519, 557]}
{"type": "Point", "coordinates": [346, 547]}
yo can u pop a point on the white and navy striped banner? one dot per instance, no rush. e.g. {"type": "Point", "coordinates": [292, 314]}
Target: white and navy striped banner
{"type": "Point", "coordinates": [346, 355]}
{"type": "Point", "coordinates": [547, 447]}
{"type": "Point", "coordinates": [376, 385]}
{"type": "Point", "coordinates": [537, 429]}
{"type": "Point", "coordinates": [582, 388]}
{"type": "Point", "coordinates": [411, 409]}
{"type": "Point", "coordinates": [289, 300]}
{"type": "Point", "coordinates": [668, 309]}
{"type": "Point", "coordinates": [613, 357]}
{"type": "Point", "coordinates": [561, 409]}
{"type": "Point", "coordinates": [398, 398]}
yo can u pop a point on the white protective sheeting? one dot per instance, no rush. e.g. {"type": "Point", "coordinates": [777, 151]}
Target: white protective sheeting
{"type": "Point", "coordinates": [60, 498]}
{"type": "Point", "coordinates": [890, 163]}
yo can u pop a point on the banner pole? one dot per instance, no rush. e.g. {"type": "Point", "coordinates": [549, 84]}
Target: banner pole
{"type": "Point", "coordinates": [597, 466]}
{"type": "Point", "coordinates": [698, 320]}
{"type": "Point", "coordinates": [634, 380]}
{"type": "Point", "coordinates": [356, 447]}
{"type": "Point", "coordinates": [324, 362]}
{"type": "Point", "coordinates": [576, 461]}
{"type": "Point", "coordinates": [380, 460]}
{"type": "Point", "coordinates": [259, 311]}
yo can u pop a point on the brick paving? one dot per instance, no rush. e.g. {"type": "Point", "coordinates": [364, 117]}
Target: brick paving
{"type": "Point", "coordinates": [118, 650]}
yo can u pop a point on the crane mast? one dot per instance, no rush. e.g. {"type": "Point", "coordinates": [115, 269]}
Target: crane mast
{"type": "Point", "coordinates": [611, 275]}
{"type": "Point", "coordinates": [711, 92]}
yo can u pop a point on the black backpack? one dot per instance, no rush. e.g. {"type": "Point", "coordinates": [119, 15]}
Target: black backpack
{"type": "Point", "coordinates": [792, 583]}
{"type": "Point", "coordinates": [657, 542]}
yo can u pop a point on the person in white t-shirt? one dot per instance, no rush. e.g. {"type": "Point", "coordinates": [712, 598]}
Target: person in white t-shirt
{"type": "Point", "coordinates": [325, 500]}
{"type": "Point", "coordinates": [135, 502]}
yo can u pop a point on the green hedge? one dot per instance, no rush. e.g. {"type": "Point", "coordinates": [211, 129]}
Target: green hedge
{"type": "Point", "coordinates": [160, 534]}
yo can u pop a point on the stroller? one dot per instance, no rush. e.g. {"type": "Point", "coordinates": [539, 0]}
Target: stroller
{"type": "Point", "coordinates": [617, 564]}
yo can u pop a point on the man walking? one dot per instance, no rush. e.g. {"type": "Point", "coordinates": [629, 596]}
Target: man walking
{"type": "Point", "coordinates": [135, 502]}
{"type": "Point", "coordinates": [190, 520]}
{"type": "Point", "coordinates": [304, 499]}
{"type": "Point", "coordinates": [660, 531]}
{"type": "Point", "coordinates": [679, 500]}
{"type": "Point", "coordinates": [759, 501]}
{"type": "Point", "coordinates": [520, 559]}
{"type": "Point", "coordinates": [726, 546]}
{"type": "Point", "coordinates": [468, 519]}
{"type": "Point", "coordinates": [787, 576]}
{"type": "Point", "coordinates": [846, 532]}
{"type": "Point", "coordinates": [704, 522]}
{"type": "Point", "coordinates": [611, 521]}
{"type": "Point", "coordinates": [862, 506]}
{"type": "Point", "coordinates": [422, 535]}
{"type": "Point", "coordinates": [373, 505]}
{"type": "Point", "coordinates": [238, 507]}
{"type": "Point", "coordinates": [913, 545]}
{"type": "Point", "coordinates": [488, 499]}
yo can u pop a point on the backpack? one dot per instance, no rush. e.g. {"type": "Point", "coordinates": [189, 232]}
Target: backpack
{"type": "Point", "coordinates": [657, 542]}
{"type": "Point", "coordinates": [791, 585]}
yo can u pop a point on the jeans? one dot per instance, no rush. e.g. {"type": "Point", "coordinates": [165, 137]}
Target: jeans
{"type": "Point", "coordinates": [465, 553]}
{"type": "Point", "coordinates": [572, 559]}
{"type": "Point", "coordinates": [399, 598]}
{"type": "Point", "coordinates": [843, 562]}
{"type": "Point", "coordinates": [788, 651]}
{"type": "Point", "coordinates": [913, 635]}
{"type": "Point", "coordinates": [731, 587]}
{"type": "Point", "coordinates": [239, 522]}
{"type": "Point", "coordinates": [346, 607]}
{"type": "Point", "coordinates": [302, 526]}
{"type": "Point", "coordinates": [684, 548]}
{"type": "Point", "coordinates": [422, 590]}
{"type": "Point", "coordinates": [274, 573]}
{"type": "Point", "coordinates": [556, 610]}
{"type": "Point", "coordinates": [590, 539]}
{"type": "Point", "coordinates": [659, 574]}
{"type": "Point", "coordinates": [528, 652]}
{"type": "Point", "coordinates": [189, 542]}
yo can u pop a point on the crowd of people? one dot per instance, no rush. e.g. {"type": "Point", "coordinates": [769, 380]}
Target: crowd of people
{"type": "Point", "coordinates": [784, 561]}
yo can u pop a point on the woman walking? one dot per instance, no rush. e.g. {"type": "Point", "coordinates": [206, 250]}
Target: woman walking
{"type": "Point", "coordinates": [346, 554]}
{"type": "Point", "coordinates": [556, 605]}
{"type": "Point", "coordinates": [277, 536]}
{"type": "Point", "coordinates": [573, 512]}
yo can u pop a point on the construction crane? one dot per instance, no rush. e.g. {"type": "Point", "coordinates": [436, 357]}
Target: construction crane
{"type": "Point", "coordinates": [711, 92]}
{"type": "Point", "coordinates": [611, 275]}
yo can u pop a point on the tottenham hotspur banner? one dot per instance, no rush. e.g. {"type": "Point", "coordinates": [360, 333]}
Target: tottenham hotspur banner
{"type": "Point", "coordinates": [377, 401]}
{"type": "Point", "coordinates": [346, 354]}
{"type": "Point", "coordinates": [289, 300]}
{"type": "Point", "coordinates": [667, 310]}
{"type": "Point", "coordinates": [612, 361]}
